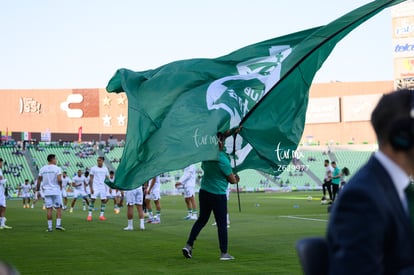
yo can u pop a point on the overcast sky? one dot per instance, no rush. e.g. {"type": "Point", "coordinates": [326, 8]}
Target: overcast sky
{"type": "Point", "coordinates": [81, 43]}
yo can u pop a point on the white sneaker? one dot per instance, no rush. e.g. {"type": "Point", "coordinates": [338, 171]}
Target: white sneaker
{"type": "Point", "coordinates": [156, 221]}
{"type": "Point", "coordinates": [226, 257]}
{"type": "Point", "coordinates": [215, 224]}
{"type": "Point", "coordinates": [5, 227]}
{"type": "Point", "coordinates": [142, 227]}
{"type": "Point", "coordinates": [128, 228]}
{"type": "Point", "coordinates": [193, 217]}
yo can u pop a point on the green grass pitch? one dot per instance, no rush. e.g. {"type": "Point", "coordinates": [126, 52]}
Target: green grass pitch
{"type": "Point", "coordinates": [262, 238]}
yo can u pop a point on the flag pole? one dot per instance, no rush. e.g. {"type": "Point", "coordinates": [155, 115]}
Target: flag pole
{"type": "Point", "coordinates": [234, 161]}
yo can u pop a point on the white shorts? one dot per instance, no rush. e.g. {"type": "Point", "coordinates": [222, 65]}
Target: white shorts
{"type": "Point", "coordinates": [135, 196]}
{"type": "Point", "coordinates": [154, 195]}
{"type": "Point", "coordinates": [99, 192]}
{"type": "Point", "coordinates": [79, 193]}
{"type": "Point", "coordinates": [2, 199]}
{"type": "Point", "coordinates": [88, 189]}
{"type": "Point", "coordinates": [53, 201]}
{"type": "Point", "coordinates": [64, 194]}
{"type": "Point", "coordinates": [188, 191]}
{"type": "Point", "coordinates": [111, 193]}
{"type": "Point", "coordinates": [26, 196]}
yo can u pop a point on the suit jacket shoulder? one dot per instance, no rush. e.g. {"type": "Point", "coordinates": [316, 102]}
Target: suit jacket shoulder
{"type": "Point", "coordinates": [369, 231]}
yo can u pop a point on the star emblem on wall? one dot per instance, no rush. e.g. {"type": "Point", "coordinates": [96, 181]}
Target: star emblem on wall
{"type": "Point", "coordinates": [121, 100]}
{"type": "Point", "coordinates": [107, 101]}
{"type": "Point", "coordinates": [121, 120]}
{"type": "Point", "coordinates": [107, 120]}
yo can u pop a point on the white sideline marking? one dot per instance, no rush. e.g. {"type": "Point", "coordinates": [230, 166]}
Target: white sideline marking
{"type": "Point", "coordinates": [300, 218]}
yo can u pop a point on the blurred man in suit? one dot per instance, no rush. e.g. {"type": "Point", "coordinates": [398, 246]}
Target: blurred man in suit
{"type": "Point", "coordinates": [369, 230]}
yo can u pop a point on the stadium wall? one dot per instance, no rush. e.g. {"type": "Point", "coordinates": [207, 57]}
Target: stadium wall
{"type": "Point", "coordinates": [347, 119]}
{"type": "Point", "coordinates": [338, 113]}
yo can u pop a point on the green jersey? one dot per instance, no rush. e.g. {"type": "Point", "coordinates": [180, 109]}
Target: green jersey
{"type": "Point", "coordinates": [335, 174]}
{"type": "Point", "coordinates": [215, 175]}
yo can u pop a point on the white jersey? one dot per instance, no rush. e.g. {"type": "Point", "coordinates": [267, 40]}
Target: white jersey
{"type": "Point", "coordinates": [157, 184]}
{"type": "Point", "coordinates": [26, 188]}
{"type": "Point", "coordinates": [65, 182]}
{"type": "Point", "coordinates": [328, 171]}
{"type": "Point", "coordinates": [99, 175]}
{"type": "Point", "coordinates": [2, 182]}
{"type": "Point", "coordinates": [49, 174]}
{"type": "Point", "coordinates": [188, 179]}
{"type": "Point", "coordinates": [88, 189]}
{"type": "Point", "coordinates": [79, 182]}
{"type": "Point", "coordinates": [2, 195]}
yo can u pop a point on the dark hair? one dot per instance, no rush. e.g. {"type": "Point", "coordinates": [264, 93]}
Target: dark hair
{"type": "Point", "coordinates": [390, 108]}
{"type": "Point", "coordinates": [1, 160]}
{"type": "Point", "coordinates": [111, 172]}
{"type": "Point", "coordinates": [51, 157]}
{"type": "Point", "coordinates": [345, 171]}
{"type": "Point", "coordinates": [102, 158]}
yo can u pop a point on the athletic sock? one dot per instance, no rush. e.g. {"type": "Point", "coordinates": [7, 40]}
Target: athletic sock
{"type": "Point", "coordinates": [130, 223]}
{"type": "Point", "coordinates": [49, 223]}
{"type": "Point", "coordinates": [103, 205]}
{"type": "Point", "coordinates": [91, 207]}
{"type": "Point", "coordinates": [58, 222]}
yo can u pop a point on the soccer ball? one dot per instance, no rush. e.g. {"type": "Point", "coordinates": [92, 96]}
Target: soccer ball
{"type": "Point", "coordinates": [310, 198]}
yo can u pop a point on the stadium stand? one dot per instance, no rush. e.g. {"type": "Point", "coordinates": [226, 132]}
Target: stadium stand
{"type": "Point", "coordinates": [353, 160]}
{"type": "Point", "coordinates": [305, 173]}
{"type": "Point", "coordinates": [70, 159]}
{"type": "Point", "coordinates": [15, 167]}
{"type": "Point", "coordinates": [114, 154]}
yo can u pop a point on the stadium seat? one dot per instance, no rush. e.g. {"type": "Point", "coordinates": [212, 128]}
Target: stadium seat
{"type": "Point", "coordinates": [313, 255]}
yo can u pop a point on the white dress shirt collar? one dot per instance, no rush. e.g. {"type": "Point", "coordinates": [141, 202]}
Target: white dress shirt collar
{"type": "Point", "coordinates": [398, 176]}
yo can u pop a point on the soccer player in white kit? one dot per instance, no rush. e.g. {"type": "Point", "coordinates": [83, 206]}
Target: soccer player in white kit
{"type": "Point", "coordinates": [98, 174]}
{"type": "Point", "coordinates": [37, 195]}
{"type": "Point", "coordinates": [153, 193]}
{"type": "Point", "coordinates": [50, 176]}
{"type": "Point", "coordinates": [2, 200]}
{"type": "Point", "coordinates": [79, 189]}
{"type": "Point", "coordinates": [113, 194]}
{"type": "Point", "coordinates": [188, 180]}
{"type": "Point", "coordinates": [135, 197]}
{"type": "Point", "coordinates": [66, 181]}
{"type": "Point", "coordinates": [25, 193]}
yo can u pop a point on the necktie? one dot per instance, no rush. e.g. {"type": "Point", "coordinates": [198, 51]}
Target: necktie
{"type": "Point", "coordinates": [409, 192]}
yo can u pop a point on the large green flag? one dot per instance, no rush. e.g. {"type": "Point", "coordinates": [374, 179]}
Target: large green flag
{"type": "Point", "coordinates": [175, 111]}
